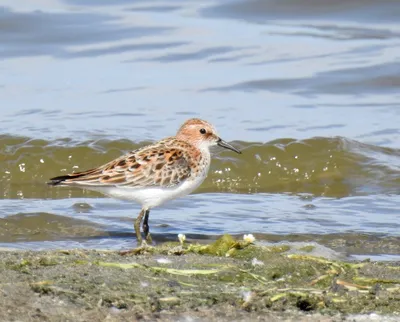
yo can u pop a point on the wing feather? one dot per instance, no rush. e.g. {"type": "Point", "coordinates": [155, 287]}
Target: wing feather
{"type": "Point", "coordinates": [162, 166]}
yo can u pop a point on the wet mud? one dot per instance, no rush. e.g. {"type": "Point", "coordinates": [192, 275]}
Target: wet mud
{"type": "Point", "coordinates": [231, 279]}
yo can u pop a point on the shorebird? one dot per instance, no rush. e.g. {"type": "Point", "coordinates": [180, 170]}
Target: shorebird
{"type": "Point", "coordinates": [154, 174]}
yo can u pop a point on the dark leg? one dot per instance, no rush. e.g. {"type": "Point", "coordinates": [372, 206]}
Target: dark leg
{"type": "Point", "coordinates": [137, 226]}
{"type": "Point", "coordinates": [146, 227]}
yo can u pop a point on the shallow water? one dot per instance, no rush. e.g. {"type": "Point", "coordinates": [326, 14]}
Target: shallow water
{"type": "Point", "coordinates": [308, 90]}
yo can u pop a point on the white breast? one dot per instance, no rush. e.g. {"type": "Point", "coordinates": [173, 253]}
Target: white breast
{"type": "Point", "coordinates": [150, 197]}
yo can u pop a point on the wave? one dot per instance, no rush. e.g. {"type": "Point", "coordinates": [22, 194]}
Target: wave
{"type": "Point", "coordinates": [319, 166]}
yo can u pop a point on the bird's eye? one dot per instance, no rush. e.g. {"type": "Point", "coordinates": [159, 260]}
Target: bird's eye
{"type": "Point", "coordinates": [203, 131]}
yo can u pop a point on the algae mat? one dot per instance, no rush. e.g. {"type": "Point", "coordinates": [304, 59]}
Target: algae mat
{"type": "Point", "coordinates": [229, 279]}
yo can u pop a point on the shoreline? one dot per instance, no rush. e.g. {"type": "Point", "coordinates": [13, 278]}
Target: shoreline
{"type": "Point", "coordinates": [227, 280]}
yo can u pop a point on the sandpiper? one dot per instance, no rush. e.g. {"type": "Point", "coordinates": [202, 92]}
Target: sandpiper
{"type": "Point", "coordinates": [154, 174]}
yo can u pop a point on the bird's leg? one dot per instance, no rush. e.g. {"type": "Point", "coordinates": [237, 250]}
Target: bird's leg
{"type": "Point", "coordinates": [146, 227]}
{"type": "Point", "coordinates": [137, 226]}
{"type": "Point", "coordinates": [142, 245]}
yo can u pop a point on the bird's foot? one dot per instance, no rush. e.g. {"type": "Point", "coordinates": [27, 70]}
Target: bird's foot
{"type": "Point", "coordinates": [143, 248]}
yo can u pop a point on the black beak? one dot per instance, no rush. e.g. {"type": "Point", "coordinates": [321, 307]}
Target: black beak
{"type": "Point", "coordinates": [226, 145]}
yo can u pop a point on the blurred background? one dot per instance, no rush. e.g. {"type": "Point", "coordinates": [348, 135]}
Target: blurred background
{"type": "Point", "coordinates": [308, 90]}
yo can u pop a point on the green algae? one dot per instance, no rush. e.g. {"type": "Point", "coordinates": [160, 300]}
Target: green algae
{"type": "Point", "coordinates": [185, 272]}
{"type": "Point", "coordinates": [307, 248]}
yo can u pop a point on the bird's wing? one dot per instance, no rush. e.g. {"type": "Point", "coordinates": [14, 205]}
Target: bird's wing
{"type": "Point", "coordinates": [162, 166]}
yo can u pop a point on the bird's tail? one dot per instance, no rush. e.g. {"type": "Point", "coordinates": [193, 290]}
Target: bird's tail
{"type": "Point", "coordinates": [72, 178]}
{"type": "Point", "coordinates": [58, 180]}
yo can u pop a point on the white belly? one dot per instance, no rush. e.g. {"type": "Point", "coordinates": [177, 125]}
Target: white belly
{"type": "Point", "coordinates": [150, 197]}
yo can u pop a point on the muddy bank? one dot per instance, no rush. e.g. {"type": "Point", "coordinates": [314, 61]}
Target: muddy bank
{"type": "Point", "coordinates": [229, 280]}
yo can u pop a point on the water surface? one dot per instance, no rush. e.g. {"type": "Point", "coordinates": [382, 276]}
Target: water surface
{"type": "Point", "coordinates": [308, 90]}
